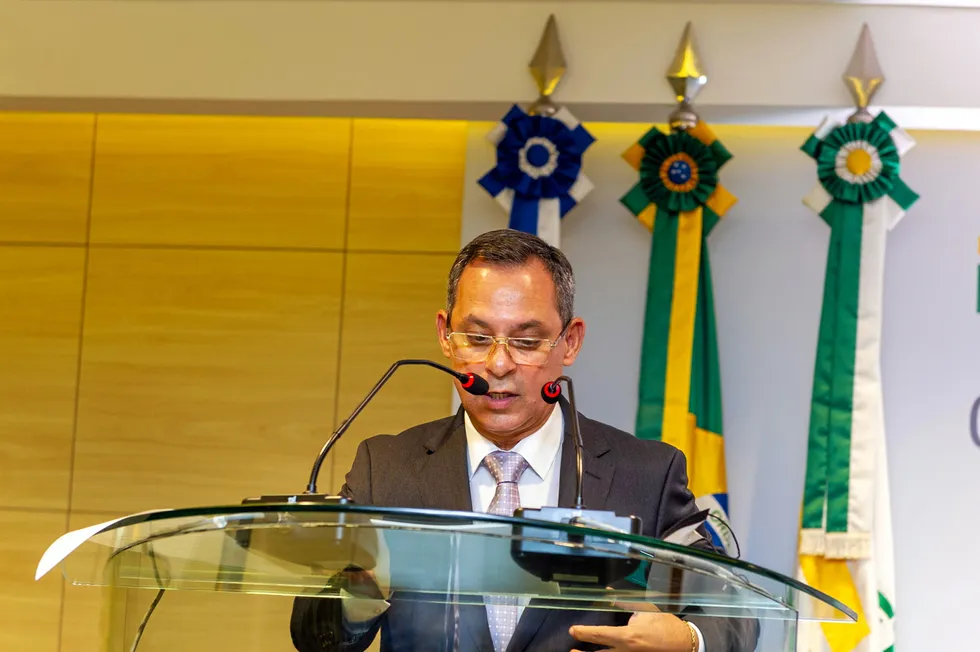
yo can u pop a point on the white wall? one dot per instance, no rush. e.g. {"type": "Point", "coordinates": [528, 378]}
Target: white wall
{"type": "Point", "coordinates": [785, 55]}
{"type": "Point", "coordinates": [768, 258]}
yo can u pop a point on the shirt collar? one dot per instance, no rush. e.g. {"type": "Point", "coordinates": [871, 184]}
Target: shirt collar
{"type": "Point", "coordinates": [540, 448]}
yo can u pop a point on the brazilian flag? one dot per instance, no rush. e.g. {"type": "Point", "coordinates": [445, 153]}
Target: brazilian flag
{"type": "Point", "coordinates": [679, 199]}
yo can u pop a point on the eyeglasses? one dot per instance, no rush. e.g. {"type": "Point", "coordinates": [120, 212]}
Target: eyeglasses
{"type": "Point", "coordinates": [477, 347]}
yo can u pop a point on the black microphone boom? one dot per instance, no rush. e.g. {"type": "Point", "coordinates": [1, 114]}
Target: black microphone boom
{"type": "Point", "coordinates": [311, 546]}
{"type": "Point", "coordinates": [470, 382]}
{"type": "Point", "coordinates": [551, 392]}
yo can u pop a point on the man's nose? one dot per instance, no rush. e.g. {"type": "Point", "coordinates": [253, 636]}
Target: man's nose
{"type": "Point", "coordinates": [499, 362]}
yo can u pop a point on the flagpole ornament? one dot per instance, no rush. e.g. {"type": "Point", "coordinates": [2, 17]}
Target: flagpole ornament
{"type": "Point", "coordinates": [538, 177]}
{"type": "Point", "coordinates": [858, 162]}
{"type": "Point", "coordinates": [687, 77]}
{"type": "Point", "coordinates": [863, 76]}
{"type": "Point", "coordinates": [679, 198]}
{"type": "Point", "coordinates": [547, 67]}
{"type": "Point", "coordinates": [845, 544]}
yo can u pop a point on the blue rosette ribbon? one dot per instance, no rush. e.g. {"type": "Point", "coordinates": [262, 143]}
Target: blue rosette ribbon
{"type": "Point", "coordinates": [538, 178]}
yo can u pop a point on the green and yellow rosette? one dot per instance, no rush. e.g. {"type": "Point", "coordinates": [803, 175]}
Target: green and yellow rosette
{"type": "Point", "coordinates": [678, 175]}
{"type": "Point", "coordinates": [679, 199]}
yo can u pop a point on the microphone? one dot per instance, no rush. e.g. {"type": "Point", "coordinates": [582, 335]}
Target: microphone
{"type": "Point", "coordinates": [470, 382]}
{"type": "Point", "coordinates": [336, 546]}
{"type": "Point", "coordinates": [584, 559]}
{"type": "Point", "coordinates": [551, 392]}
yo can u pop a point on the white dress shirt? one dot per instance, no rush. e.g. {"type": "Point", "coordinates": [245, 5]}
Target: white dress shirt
{"type": "Point", "coordinates": [538, 485]}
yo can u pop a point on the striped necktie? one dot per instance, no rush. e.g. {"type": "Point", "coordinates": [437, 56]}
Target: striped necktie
{"type": "Point", "coordinates": [506, 468]}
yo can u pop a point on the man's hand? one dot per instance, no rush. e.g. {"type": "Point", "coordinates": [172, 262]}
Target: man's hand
{"type": "Point", "coordinates": [646, 632]}
{"type": "Point", "coordinates": [363, 600]}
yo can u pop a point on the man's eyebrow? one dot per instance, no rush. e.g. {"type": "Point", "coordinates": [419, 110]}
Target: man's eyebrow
{"type": "Point", "coordinates": [531, 324]}
{"type": "Point", "coordinates": [470, 319]}
{"type": "Point", "coordinates": [528, 325]}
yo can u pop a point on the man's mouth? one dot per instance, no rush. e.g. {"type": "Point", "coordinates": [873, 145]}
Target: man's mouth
{"type": "Point", "coordinates": [500, 397]}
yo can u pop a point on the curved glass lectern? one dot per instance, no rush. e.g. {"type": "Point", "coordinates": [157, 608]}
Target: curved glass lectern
{"type": "Point", "coordinates": [216, 578]}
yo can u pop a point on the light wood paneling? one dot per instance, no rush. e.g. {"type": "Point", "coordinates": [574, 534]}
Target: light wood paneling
{"type": "Point", "coordinates": [184, 620]}
{"type": "Point", "coordinates": [407, 185]}
{"type": "Point", "coordinates": [383, 322]}
{"type": "Point", "coordinates": [205, 620]}
{"type": "Point", "coordinates": [207, 376]}
{"type": "Point", "coordinates": [31, 610]}
{"type": "Point", "coordinates": [83, 621]}
{"type": "Point", "coordinates": [40, 295]}
{"type": "Point", "coordinates": [45, 173]}
{"type": "Point", "coordinates": [222, 181]}
{"type": "Point", "coordinates": [82, 626]}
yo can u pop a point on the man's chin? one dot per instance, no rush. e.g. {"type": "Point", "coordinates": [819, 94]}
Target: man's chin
{"type": "Point", "coordinates": [496, 423]}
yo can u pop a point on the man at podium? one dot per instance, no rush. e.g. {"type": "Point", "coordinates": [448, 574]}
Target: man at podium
{"type": "Point", "coordinates": [509, 318]}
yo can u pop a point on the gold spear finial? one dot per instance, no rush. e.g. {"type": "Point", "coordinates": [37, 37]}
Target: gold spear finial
{"type": "Point", "coordinates": [547, 67]}
{"type": "Point", "coordinates": [863, 76]}
{"type": "Point", "coordinates": [687, 77]}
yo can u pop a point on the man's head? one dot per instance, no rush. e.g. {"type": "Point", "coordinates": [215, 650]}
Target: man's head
{"type": "Point", "coordinates": [510, 284]}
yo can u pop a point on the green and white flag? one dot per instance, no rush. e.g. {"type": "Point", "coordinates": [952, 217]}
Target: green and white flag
{"type": "Point", "coordinates": [845, 546]}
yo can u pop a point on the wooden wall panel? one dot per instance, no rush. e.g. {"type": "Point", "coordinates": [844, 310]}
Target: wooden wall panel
{"type": "Point", "coordinates": [31, 610]}
{"type": "Point", "coordinates": [82, 621]}
{"type": "Point", "coordinates": [384, 321]}
{"type": "Point", "coordinates": [202, 621]}
{"type": "Point", "coordinates": [41, 298]}
{"type": "Point", "coordinates": [207, 376]}
{"type": "Point", "coordinates": [221, 181]}
{"type": "Point", "coordinates": [407, 185]}
{"type": "Point", "coordinates": [81, 626]}
{"type": "Point", "coordinates": [209, 341]}
{"type": "Point", "coordinates": [45, 174]}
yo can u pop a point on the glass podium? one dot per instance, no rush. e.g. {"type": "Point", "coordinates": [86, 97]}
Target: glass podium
{"type": "Point", "coordinates": [228, 577]}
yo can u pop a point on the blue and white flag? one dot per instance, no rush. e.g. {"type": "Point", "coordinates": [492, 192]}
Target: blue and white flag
{"type": "Point", "coordinates": [538, 177]}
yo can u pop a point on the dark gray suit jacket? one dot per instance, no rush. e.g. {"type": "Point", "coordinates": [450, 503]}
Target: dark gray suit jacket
{"type": "Point", "coordinates": [426, 467]}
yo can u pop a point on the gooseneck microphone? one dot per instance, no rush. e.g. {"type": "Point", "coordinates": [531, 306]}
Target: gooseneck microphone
{"type": "Point", "coordinates": [551, 392]}
{"type": "Point", "coordinates": [310, 546]}
{"type": "Point", "coordinates": [565, 555]}
{"type": "Point", "coordinates": [470, 382]}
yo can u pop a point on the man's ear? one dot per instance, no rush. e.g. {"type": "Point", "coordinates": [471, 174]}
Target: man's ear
{"type": "Point", "coordinates": [442, 328]}
{"type": "Point", "coordinates": [574, 335]}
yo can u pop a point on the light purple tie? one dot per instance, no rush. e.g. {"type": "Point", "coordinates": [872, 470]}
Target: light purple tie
{"type": "Point", "coordinates": [506, 468]}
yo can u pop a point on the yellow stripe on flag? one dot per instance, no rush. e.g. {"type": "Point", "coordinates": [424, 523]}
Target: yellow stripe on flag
{"type": "Point", "coordinates": [720, 201]}
{"type": "Point", "coordinates": [833, 577]}
{"type": "Point", "coordinates": [706, 463]}
{"type": "Point", "coordinates": [634, 156]}
{"type": "Point", "coordinates": [647, 216]}
{"type": "Point", "coordinates": [705, 452]}
{"type": "Point", "coordinates": [703, 132]}
{"type": "Point", "coordinates": [680, 340]}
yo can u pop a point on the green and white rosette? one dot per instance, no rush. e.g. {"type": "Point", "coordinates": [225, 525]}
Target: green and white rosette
{"type": "Point", "coordinates": [861, 197]}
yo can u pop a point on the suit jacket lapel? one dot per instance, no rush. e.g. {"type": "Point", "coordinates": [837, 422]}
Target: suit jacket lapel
{"type": "Point", "coordinates": [442, 469]}
{"type": "Point", "coordinates": [597, 477]}
{"type": "Point", "coordinates": [444, 483]}
{"type": "Point", "coordinates": [473, 622]}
